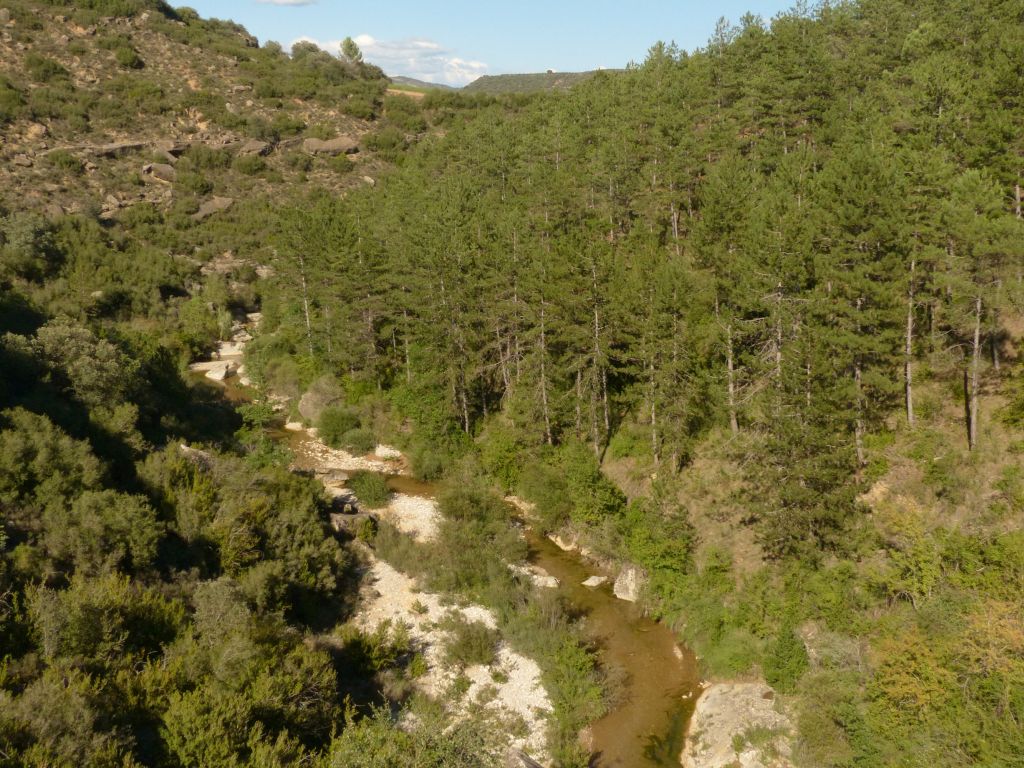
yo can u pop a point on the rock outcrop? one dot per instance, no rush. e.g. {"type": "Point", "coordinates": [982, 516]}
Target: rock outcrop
{"type": "Point", "coordinates": [212, 206]}
{"type": "Point", "coordinates": [630, 583]}
{"type": "Point", "coordinates": [342, 145]}
{"type": "Point", "coordinates": [738, 724]}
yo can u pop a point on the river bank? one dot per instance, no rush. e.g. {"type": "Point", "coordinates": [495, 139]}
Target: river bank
{"type": "Point", "coordinates": [658, 682]}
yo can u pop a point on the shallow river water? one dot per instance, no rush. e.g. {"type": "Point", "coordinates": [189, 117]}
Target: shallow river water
{"type": "Point", "coordinates": [660, 681]}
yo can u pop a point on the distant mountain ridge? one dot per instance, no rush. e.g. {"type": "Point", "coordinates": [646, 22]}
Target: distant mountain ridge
{"type": "Point", "coordinates": [412, 82]}
{"type": "Point", "coordinates": [529, 83]}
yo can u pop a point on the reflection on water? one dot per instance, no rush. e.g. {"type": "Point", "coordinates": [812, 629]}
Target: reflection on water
{"type": "Point", "coordinates": [662, 680]}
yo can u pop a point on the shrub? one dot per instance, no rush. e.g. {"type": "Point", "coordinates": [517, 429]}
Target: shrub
{"type": "Point", "coordinates": [359, 440]}
{"type": "Point", "coordinates": [44, 70]}
{"type": "Point", "coordinates": [340, 164]}
{"type": "Point", "coordinates": [469, 642]}
{"type": "Point", "coordinates": [193, 183]}
{"type": "Point", "coordinates": [544, 486]}
{"type": "Point", "coordinates": [334, 423]}
{"type": "Point", "coordinates": [11, 102]}
{"type": "Point", "coordinates": [426, 463]}
{"type": "Point", "coordinates": [371, 488]}
{"type": "Point", "coordinates": [785, 661]}
{"type": "Point", "coordinates": [297, 161]}
{"type": "Point", "coordinates": [65, 161]}
{"type": "Point", "coordinates": [202, 157]}
{"type": "Point", "coordinates": [128, 58]}
{"type": "Point", "coordinates": [250, 165]}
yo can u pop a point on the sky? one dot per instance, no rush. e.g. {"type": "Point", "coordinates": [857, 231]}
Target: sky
{"type": "Point", "coordinates": [456, 41]}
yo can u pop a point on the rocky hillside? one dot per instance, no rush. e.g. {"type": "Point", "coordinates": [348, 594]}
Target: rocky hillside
{"type": "Point", "coordinates": [117, 103]}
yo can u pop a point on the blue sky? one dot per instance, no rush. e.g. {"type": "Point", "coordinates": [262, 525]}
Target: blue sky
{"type": "Point", "coordinates": [455, 41]}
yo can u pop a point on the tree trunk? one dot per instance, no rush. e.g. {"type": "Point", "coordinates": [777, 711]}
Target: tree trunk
{"type": "Point", "coordinates": [1017, 199]}
{"type": "Point", "coordinates": [543, 377]}
{"type": "Point", "coordinates": [405, 343]}
{"type": "Point", "coordinates": [858, 427]}
{"type": "Point", "coordinates": [305, 303]}
{"type": "Point", "coordinates": [975, 369]}
{"type": "Point", "coordinates": [730, 368]}
{"type": "Point", "coordinates": [908, 351]}
{"type": "Point", "coordinates": [654, 417]}
{"type": "Point", "coordinates": [967, 410]}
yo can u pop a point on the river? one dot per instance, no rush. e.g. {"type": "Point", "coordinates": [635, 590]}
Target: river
{"type": "Point", "coordinates": [661, 681]}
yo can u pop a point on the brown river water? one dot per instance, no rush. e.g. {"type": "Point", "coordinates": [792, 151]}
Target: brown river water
{"type": "Point", "coordinates": [646, 727]}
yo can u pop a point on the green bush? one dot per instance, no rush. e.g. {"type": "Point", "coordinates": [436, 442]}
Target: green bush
{"type": "Point", "coordinates": [371, 488]}
{"type": "Point", "coordinates": [469, 642]}
{"type": "Point", "coordinates": [545, 487]}
{"type": "Point", "coordinates": [250, 165]}
{"type": "Point", "coordinates": [785, 661]}
{"type": "Point", "coordinates": [193, 183]}
{"type": "Point", "coordinates": [340, 164]}
{"type": "Point", "coordinates": [11, 102]}
{"type": "Point", "coordinates": [128, 58]}
{"type": "Point", "coordinates": [360, 440]}
{"type": "Point", "coordinates": [65, 161]}
{"type": "Point", "coordinates": [426, 463]}
{"type": "Point", "coordinates": [334, 422]}
{"type": "Point", "coordinates": [44, 70]}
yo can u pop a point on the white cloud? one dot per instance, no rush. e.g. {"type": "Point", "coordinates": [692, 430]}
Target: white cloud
{"type": "Point", "coordinates": [413, 57]}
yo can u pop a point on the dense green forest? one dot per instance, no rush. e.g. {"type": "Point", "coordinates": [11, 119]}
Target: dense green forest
{"type": "Point", "coordinates": [748, 317]}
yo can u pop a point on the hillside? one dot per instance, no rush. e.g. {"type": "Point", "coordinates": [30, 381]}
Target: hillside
{"type": "Point", "coordinates": [99, 109]}
{"type": "Point", "coordinates": [421, 84]}
{"type": "Point", "coordinates": [527, 83]}
{"type": "Point", "coordinates": [740, 329]}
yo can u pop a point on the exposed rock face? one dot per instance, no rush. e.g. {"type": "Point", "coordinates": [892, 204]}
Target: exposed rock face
{"type": "Point", "coordinates": [322, 394]}
{"type": "Point", "coordinates": [254, 147]}
{"type": "Point", "coordinates": [212, 206]}
{"type": "Point", "coordinates": [342, 145]}
{"type": "Point", "coordinates": [535, 574]}
{"type": "Point", "coordinates": [563, 543]}
{"type": "Point", "coordinates": [217, 371]}
{"type": "Point", "coordinates": [630, 583]}
{"type": "Point", "coordinates": [200, 458]}
{"type": "Point", "coordinates": [118, 149]}
{"type": "Point", "coordinates": [727, 715]}
{"type": "Point", "coordinates": [161, 171]}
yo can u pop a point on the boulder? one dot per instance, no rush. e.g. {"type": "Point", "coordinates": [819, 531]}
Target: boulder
{"type": "Point", "coordinates": [563, 543]}
{"type": "Point", "coordinates": [23, 160]}
{"type": "Point", "coordinates": [201, 459]}
{"type": "Point", "coordinates": [630, 583]}
{"type": "Point", "coordinates": [294, 426]}
{"type": "Point", "coordinates": [160, 172]}
{"type": "Point", "coordinates": [212, 206]}
{"type": "Point", "coordinates": [118, 149]}
{"type": "Point", "coordinates": [725, 714]}
{"type": "Point", "coordinates": [36, 131]}
{"type": "Point", "coordinates": [169, 147]}
{"type": "Point", "coordinates": [220, 371]}
{"type": "Point", "coordinates": [5, 15]}
{"type": "Point", "coordinates": [322, 393]}
{"type": "Point", "coordinates": [254, 147]}
{"type": "Point", "coordinates": [595, 581]}
{"type": "Point", "coordinates": [226, 349]}
{"type": "Point", "coordinates": [342, 145]}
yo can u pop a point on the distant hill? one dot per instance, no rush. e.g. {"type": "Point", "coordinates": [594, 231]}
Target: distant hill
{"type": "Point", "coordinates": [528, 83]}
{"type": "Point", "coordinates": [412, 82]}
